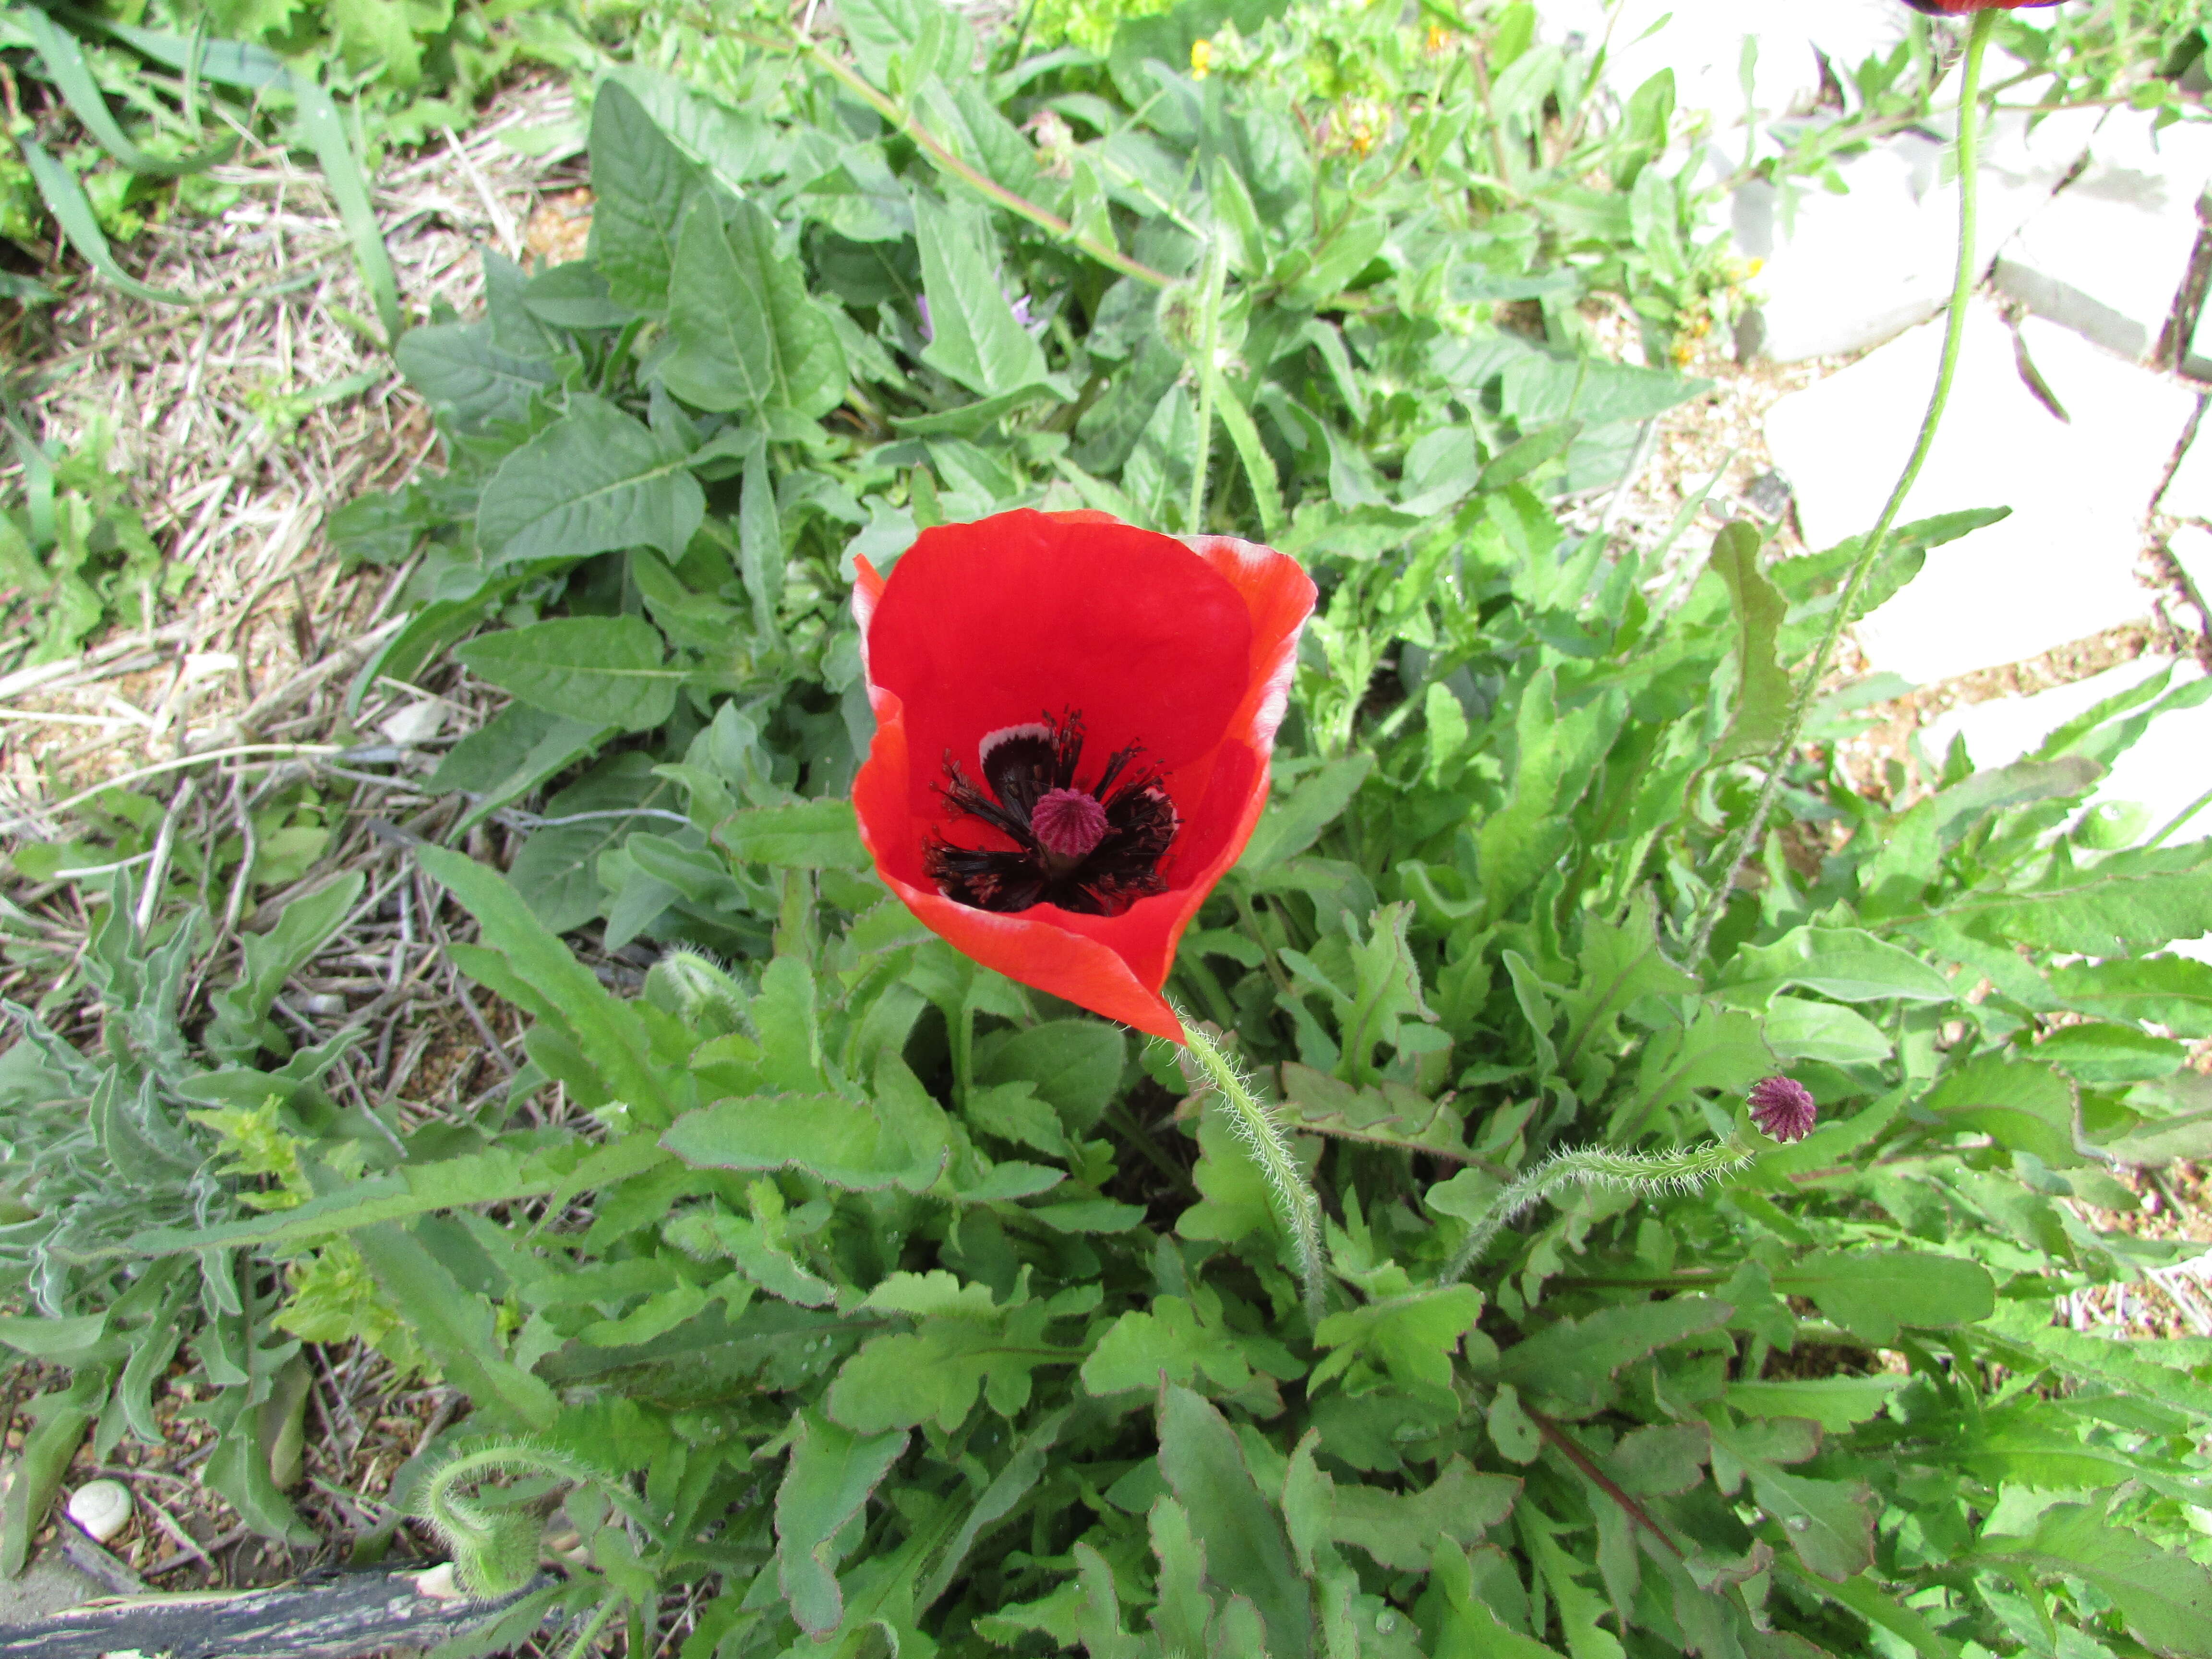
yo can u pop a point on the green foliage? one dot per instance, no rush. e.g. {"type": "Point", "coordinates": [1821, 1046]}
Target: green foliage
{"type": "Point", "coordinates": [897, 1308]}
{"type": "Point", "coordinates": [77, 548]}
{"type": "Point", "coordinates": [156, 1127]}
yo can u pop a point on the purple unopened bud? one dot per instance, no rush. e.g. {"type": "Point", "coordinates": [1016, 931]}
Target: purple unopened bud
{"type": "Point", "coordinates": [929, 329]}
{"type": "Point", "coordinates": [1783, 1107]}
{"type": "Point", "coordinates": [1022, 311]}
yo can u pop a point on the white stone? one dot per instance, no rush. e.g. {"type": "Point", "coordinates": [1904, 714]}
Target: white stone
{"type": "Point", "coordinates": [2001, 730]}
{"type": "Point", "coordinates": [1852, 270]}
{"type": "Point", "coordinates": [1703, 44]}
{"type": "Point", "coordinates": [2191, 546]}
{"type": "Point", "coordinates": [414, 722]}
{"type": "Point", "coordinates": [102, 1507]}
{"type": "Point", "coordinates": [2189, 492]}
{"type": "Point", "coordinates": [2062, 567]}
{"type": "Point", "coordinates": [2167, 769]}
{"type": "Point", "coordinates": [2107, 255]}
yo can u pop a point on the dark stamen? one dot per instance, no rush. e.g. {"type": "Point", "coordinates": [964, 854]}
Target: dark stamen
{"type": "Point", "coordinates": [1096, 851]}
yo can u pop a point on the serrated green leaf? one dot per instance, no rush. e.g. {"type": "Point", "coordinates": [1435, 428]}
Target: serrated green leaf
{"type": "Point", "coordinates": [2095, 914]}
{"type": "Point", "coordinates": [1847, 963]}
{"type": "Point", "coordinates": [454, 1326]}
{"type": "Point", "coordinates": [459, 367]}
{"type": "Point", "coordinates": [1410, 1338]}
{"type": "Point", "coordinates": [1165, 1340]}
{"type": "Point", "coordinates": [935, 1373]}
{"type": "Point", "coordinates": [1292, 826]}
{"type": "Point", "coordinates": [608, 1032]}
{"type": "Point", "coordinates": [2164, 1597]}
{"type": "Point", "coordinates": [1836, 1403]}
{"type": "Point", "coordinates": [2018, 1103]}
{"type": "Point", "coordinates": [1797, 1028]}
{"type": "Point", "coordinates": [812, 835]}
{"type": "Point", "coordinates": [831, 1474]}
{"type": "Point", "coordinates": [832, 1138]}
{"type": "Point", "coordinates": [2173, 992]}
{"type": "Point", "coordinates": [1573, 1361]}
{"type": "Point", "coordinates": [1764, 693]}
{"type": "Point", "coordinates": [1248, 1552]}
{"type": "Point", "coordinates": [512, 754]}
{"type": "Point", "coordinates": [2107, 1054]}
{"type": "Point", "coordinates": [1871, 1293]}
{"type": "Point", "coordinates": [1401, 1529]}
{"type": "Point", "coordinates": [241, 1026]}
{"type": "Point", "coordinates": [1075, 1065]}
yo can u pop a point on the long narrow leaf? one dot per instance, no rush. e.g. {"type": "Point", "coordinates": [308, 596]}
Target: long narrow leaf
{"type": "Point", "coordinates": [65, 200]}
{"type": "Point", "coordinates": [65, 67]}
{"type": "Point", "coordinates": [1259, 466]}
{"type": "Point", "coordinates": [226, 63]}
{"type": "Point", "coordinates": [320, 125]}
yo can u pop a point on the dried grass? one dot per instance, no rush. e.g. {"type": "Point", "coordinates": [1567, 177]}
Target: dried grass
{"type": "Point", "coordinates": [231, 488]}
{"type": "Point", "coordinates": [257, 653]}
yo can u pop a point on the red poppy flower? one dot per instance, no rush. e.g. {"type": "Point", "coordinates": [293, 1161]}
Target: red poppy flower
{"type": "Point", "coordinates": [1073, 718]}
{"type": "Point", "coordinates": [1961, 7]}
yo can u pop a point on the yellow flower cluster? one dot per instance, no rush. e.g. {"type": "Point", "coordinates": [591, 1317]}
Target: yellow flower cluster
{"type": "Point", "coordinates": [1201, 59]}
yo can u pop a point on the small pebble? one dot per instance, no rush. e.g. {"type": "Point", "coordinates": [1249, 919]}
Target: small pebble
{"type": "Point", "coordinates": [102, 1507]}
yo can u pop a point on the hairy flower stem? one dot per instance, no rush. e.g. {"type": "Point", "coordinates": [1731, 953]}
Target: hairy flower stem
{"type": "Point", "coordinates": [1962, 290]}
{"type": "Point", "coordinates": [1255, 1126]}
{"type": "Point", "coordinates": [1649, 1174]}
{"type": "Point", "coordinates": [494, 1549]}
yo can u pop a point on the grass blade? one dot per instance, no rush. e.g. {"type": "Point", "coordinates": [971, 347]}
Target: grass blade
{"type": "Point", "coordinates": [65, 200]}
{"type": "Point", "coordinates": [63, 61]}
{"type": "Point", "coordinates": [326, 134]}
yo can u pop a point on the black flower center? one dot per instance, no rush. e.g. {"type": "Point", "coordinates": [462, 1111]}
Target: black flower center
{"type": "Point", "coordinates": [1095, 849]}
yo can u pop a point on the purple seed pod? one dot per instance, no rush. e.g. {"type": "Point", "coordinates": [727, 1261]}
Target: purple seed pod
{"type": "Point", "coordinates": [1783, 1107]}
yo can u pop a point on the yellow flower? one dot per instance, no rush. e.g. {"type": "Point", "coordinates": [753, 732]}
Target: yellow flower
{"type": "Point", "coordinates": [1439, 41]}
{"type": "Point", "coordinates": [1201, 59]}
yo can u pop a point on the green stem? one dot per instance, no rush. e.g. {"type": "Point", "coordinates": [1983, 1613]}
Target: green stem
{"type": "Point", "coordinates": [494, 1550]}
{"type": "Point", "coordinates": [606, 1610]}
{"type": "Point", "coordinates": [1254, 1125]}
{"type": "Point", "coordinates": [1209, 339]}
{"type": "Point", "coordinates": [1962, 290]}
{"type": "Point", "coordinates": [1645, 1173]}
{"type": "Point", "coordinates": [2180, 818]}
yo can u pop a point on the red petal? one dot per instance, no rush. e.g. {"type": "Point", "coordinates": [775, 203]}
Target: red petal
{"type": "Point", "coordinates": [989, 624]}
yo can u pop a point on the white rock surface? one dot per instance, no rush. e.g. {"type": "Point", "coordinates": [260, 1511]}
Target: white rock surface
{"type": "Point", "coordinates": [102, 1507]}
{"type": "Point", "coordinates": [2107, 255]}
{"type": "Point", "coordinates": [1703, 44]}
{"type": "Point", "coordinates": [414, 722]}
{"type": "Point", "coordinates": [2148, 784]}
{"type": "Point", "coordinates": [2191, 546]}
{"type": "Point", "coordinates": [2062, 567]}
{"type": "Point", "coordinates": [1851, 271]}
{"type": "Point", "coordinates": [2167, 769]}
{"type": "Point", "coordinates": [2001, 730]}
{"type": "Point", "coordinates": [2189, 492]}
